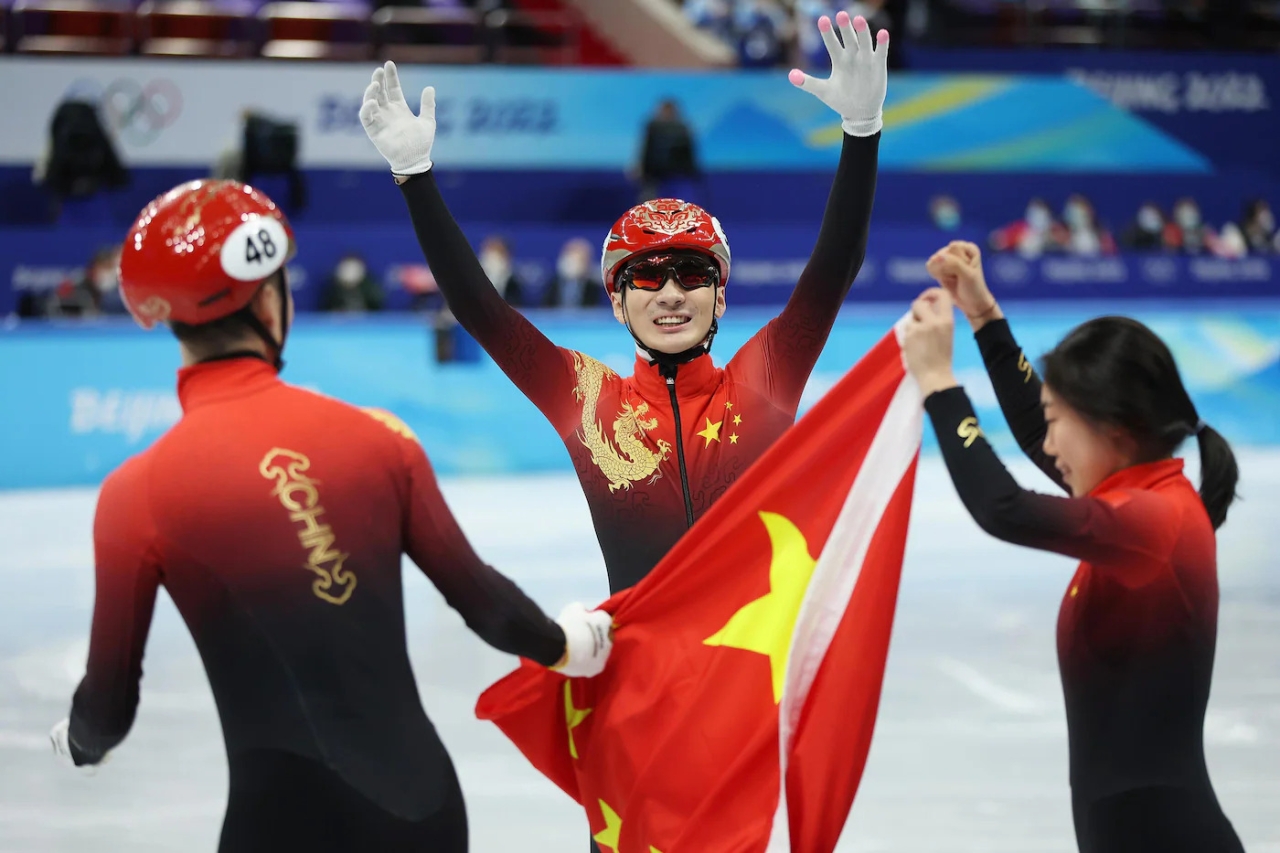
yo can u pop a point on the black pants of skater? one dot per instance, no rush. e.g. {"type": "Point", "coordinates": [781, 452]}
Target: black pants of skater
{"type": "Point", "coordinates": [1155, 820]}
{"type": "Point", "coordinates": [281, 801]}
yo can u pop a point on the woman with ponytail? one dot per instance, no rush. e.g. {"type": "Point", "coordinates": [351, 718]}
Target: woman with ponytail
{"type": "Point", "coordinates": [1138, 623]}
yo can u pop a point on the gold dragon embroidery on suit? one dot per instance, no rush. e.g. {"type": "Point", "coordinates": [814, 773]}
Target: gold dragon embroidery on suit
{"type": "Point", "coordinates": [626, 459]}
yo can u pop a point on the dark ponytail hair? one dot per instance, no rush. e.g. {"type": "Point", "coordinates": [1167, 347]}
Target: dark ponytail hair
{"type": "Point", "coordinates": [1116, 371]}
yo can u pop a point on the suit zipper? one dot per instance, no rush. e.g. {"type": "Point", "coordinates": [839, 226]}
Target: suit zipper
{"type": "Point", "coordinates": [684, 472]}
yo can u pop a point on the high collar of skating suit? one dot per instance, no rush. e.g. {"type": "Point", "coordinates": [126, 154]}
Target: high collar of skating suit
{"type": "Point", "coordinates": [211, 381]}
{"type": "Point", "coordinates": [693, 379]}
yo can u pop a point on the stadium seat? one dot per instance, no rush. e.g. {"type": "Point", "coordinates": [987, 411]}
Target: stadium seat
{"type": "Point", "coordinates": [73, 26]}
{"type": "Point", "coordinates": [325, 31]}
{"type": "Point", "coordinates": [415, 34]}
{"type": "Point", "coordinates": [194, 28]}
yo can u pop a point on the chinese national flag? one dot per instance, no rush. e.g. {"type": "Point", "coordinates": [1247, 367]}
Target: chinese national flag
{"type": "Point", "coordinates": [753, 653]}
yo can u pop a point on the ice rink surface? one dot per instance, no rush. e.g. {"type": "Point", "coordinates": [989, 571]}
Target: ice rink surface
{"type": "Point", "coordinates": [969, 754]}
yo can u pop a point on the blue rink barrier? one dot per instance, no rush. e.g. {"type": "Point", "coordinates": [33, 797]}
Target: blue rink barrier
{"type": "Point", "coordinates": [78, 400]}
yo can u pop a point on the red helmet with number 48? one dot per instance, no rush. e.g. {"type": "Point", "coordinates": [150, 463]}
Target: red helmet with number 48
{"type": "Point", "coordinates": [662, 224]}
{"type": "Point", "coordinates": [201, 251]}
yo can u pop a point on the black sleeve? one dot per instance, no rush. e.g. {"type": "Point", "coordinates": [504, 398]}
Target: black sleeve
{"type": "Point", "coordinates": [1017, 388]}
{"type": "Point", "coordinates": [127, 577]}
{"type": "Point", "coordinates": [490, 603]}
{"type": "Point", "coordinates": [541, 371]}
{"type": "Point", "coordinates": [791, 343]}
{"type": "Point", "coordinates": [1127, 533]}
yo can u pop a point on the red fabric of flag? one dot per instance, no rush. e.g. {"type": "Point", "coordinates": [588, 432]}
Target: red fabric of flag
{"type": "Point", "coordinates": [753, 652]}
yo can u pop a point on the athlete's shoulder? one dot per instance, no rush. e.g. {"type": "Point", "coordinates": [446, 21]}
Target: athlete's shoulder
{"type": "Point", "coordinates": [584, 364]}
{"type": "Point", "coordinates": [133, 472]}
{"type": "Point", "coordinates": [125, 511]}
{"type": "Point", "coordinates": [390, 421]}
{"type": "Point", "coordinates": [365, 417]}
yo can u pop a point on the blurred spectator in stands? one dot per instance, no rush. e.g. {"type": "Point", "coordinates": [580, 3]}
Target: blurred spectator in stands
{"type": "Point", "coordinates": [103, 276]}
{"type": "Point", "coordinates": [714, 16]}
{"type": "Point", "coordinates": [1033, 235]}
{"type": "Point", "coordinates": [668, 158]}
{"type": "Point", "coordinates": [1147, 232]}
{"type": "Point", "coordinates": [1190, 235]}
{"type": "Point", "coordinates": [72, 298]}
{"type": "Point", "coordinates": [350, 288]}
{"type": "Point", "coordinates": [575, 284]}
{"type": "Point", "coordinates": [1230, 242]}
{"type": "Point", "coordinates": [1259, 227]}
{"type": "Point", "coordinates": [813, 56]}
{"type": "Point", "coordinates": [1085, 236]}
{"type": "Point", "coordinates": [762, 30]}
{"type": "Point", "coordinates": [945, 212]}
{"type": "Point", "coordinates": [495, 259]}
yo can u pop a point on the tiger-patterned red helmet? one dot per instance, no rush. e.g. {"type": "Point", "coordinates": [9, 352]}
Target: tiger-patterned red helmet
{"type": "Point", "coordinates": [662, 224]}
{"type": "Point", "coordinates": [201, 251]}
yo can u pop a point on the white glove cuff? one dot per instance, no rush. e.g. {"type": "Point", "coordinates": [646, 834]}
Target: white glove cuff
{"type": "Point", "coordinates": [419, 168]}
{"type": "Point", "coordinates": [863, 127]}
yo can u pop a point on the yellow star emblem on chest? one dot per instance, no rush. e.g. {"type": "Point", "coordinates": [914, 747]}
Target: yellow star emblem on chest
{"type": "Point", "coordinates": [711, 432]}
{"type": "Point", "coordinates": [764, 626]}
{"type": "Point", "coordinates": [573, 718]}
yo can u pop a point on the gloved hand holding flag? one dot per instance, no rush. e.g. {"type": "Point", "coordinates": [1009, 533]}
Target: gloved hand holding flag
{"type": "Point", "coordinates": [737, 709]}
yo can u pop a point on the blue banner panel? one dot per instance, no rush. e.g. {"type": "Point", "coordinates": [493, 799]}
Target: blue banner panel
{"type": "Point", "coordinates": [80, 400]}
{"type": "Point", "coordinates": [1222, 106]}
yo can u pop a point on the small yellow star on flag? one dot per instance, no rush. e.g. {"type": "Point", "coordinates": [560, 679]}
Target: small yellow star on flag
{"type": "Point", "coordinates": [608, 837]}
{"type": "Point", "coordinates": [573, 718]}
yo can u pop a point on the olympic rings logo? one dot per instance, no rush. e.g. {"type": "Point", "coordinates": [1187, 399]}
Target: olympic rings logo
{"type": "Point", "coordinates": [138, 113]}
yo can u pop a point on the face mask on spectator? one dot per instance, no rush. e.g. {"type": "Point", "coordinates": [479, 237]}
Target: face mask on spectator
{"type": "Point", "coordinates": [105, 280]}
{"type": "Point", "coordinates": [350, 272]}
{"type": "Point", "coordinates": [1187, 216]}
{"type": "Point", "coordinates": [1038, 217]}
{"type": "Point", "coordinates": [1149, 220]}
{"type": "Point", "coordinates": [496, 265]}
{"type": "Point", "coordinates": [1076, 215]}
{"type": "Point", "coordinates": [571, 266]}
{"type": "Point", "coordinates": [946, 217]}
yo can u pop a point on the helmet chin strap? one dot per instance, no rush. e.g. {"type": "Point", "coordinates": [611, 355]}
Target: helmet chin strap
{"type": "Point", "coordinates": [251, 320]}
{"type": "Point", "coordinates": [668, 361]}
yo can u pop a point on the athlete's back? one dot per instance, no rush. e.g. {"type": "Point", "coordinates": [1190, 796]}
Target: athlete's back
{"type": "Point", "coordinates": [276, 519]}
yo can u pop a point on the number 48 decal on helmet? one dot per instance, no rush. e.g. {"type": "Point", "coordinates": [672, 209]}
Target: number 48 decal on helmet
{"type": "Point", "coordinates": [255, 249]}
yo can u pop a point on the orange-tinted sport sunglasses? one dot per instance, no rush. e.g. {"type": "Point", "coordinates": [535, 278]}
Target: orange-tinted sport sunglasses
{"type": "Point", "coordinates": [691, 271]}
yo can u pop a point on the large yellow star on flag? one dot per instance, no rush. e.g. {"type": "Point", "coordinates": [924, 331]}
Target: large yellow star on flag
{"type": "Point", "coordinates": [608, 837]}
{"type": "Point", "coordinates": [712, 432]}
{"type": "Point", "coordinates": [573, 718]}
{"type": "Point", "coordinates": [764, 626]}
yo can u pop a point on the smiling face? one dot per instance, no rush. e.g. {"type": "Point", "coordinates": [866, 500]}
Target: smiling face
{"type": "Point", "coordinates": [670, 318]}
{"type": "Point", "coordinates": [1084, 453]}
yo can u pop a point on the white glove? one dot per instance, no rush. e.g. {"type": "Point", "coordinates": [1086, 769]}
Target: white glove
{"type": "Point", "coordinates": [587, 640]}
{"type": "Point", "coordinates": [60, 735]}
{"type": "Point", "coordinates": [859, 75]}
{"type": "Point", "coordinates": [401, 137]}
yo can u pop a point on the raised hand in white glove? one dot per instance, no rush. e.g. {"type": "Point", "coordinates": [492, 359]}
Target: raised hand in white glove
{"type": "Point", "coordinates": [587, 639]}
{"type": "Point", "coordinates": [401, 137]}
{"type": "Point", "coordinates": [859, 75]}
{"type": "Point", "coordinates": [60, 736]}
